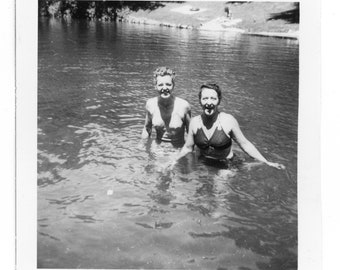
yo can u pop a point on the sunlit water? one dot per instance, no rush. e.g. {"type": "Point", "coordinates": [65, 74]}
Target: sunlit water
{"type": "Point", "coordinates": [104, 200]}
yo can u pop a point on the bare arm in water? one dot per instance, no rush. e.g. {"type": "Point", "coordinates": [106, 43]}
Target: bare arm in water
{"type": "Point", "coordinates": [147, 129]}
{"type": "Point", "coordinates": [237, 135]}
{"type": "Point", "coordinates": [244, 143]}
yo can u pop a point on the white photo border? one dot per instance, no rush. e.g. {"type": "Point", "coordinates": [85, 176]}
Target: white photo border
{"type": "Point", "coordinates": [309, 171]}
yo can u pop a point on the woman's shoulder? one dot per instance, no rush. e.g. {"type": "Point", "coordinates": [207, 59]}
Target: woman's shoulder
{"type": "Point", "coordinates": [151, 101]}
{"type": "Point", "coordinates": [195, 123]}
{"type": "Point", "coordinates": [195, 120]}
{"type": "Point", "coordinates": [226, 117]}
{"type": "Point", "coordinates": [151, 104]}
{"type": "Point", "coordinates": [182, 102]}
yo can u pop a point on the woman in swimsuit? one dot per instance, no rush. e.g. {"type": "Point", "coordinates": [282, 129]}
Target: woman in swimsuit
{"type": "Point", "coordinates": [169, 115]}
{"type": "Point", "coordinates": [213, 131]}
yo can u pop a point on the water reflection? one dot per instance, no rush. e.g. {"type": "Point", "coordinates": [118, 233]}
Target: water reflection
{"type": "Point", "coordinates": [97, 185]}
{"type": "Point", "coordinates": [252, 214]}
{"type": "Point", "coordinates": [161, 195]}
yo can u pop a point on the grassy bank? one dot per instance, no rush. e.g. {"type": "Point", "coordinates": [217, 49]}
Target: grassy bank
{"type": "Point", "coordinates": [267, 18]}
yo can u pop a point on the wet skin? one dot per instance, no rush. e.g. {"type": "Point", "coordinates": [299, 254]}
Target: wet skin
{"type": "Point", "coordinates": [169, 115]}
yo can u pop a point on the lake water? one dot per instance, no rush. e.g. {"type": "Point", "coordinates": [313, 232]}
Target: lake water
{"type": "Point", "coordinates": [103, 199]}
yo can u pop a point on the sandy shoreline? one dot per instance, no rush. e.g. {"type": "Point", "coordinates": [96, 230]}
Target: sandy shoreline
{"type": "Point", "coordinates": [248, 18]}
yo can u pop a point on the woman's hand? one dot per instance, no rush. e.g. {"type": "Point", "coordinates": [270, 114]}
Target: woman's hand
{"type": "Point", "coordinates": [276, 165]}
{"type": "Point", "coordinates": [169, 166]}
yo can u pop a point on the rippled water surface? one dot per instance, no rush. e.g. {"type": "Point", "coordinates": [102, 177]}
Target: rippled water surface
{"type": "Point", "coordinates": [103, 199]}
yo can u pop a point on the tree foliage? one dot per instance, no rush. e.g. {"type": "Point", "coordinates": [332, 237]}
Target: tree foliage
{"type": "Point", "coordinates": [106, 10]}
{"type": "Point", "coordinates": [291, 16]}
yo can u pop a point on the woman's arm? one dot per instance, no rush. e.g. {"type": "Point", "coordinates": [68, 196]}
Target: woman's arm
{"type": "Point", "coordinates": [247, 146]}
{"type": "Point", "coordinates": [188, 146]}
{"type": "Point", "coordinates": [187, 118]}
{"type": "Point", "coordinates": [147, 129]}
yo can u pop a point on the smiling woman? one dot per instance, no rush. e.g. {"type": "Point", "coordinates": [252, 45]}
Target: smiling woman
{"type": "Point", "coordinates": [213, 131]}
{"type": "Point", "coordinates": [169, 115]}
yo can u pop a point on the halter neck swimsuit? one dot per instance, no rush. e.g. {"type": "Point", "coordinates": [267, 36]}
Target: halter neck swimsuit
{"type": "Point", "coordinates": [219, 144]}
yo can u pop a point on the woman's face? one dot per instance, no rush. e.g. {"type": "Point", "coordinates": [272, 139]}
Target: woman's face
{"type": "Point", "coordinates": [164, 86]}
{"type": "Point", "coordinates": [209, 101]}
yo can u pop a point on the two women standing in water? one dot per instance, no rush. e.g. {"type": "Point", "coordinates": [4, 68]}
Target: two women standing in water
{"type": "Point", "coordinates": [212, 131]}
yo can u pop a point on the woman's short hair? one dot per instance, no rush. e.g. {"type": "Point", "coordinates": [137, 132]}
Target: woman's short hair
{"type": "Point", "coordinates": [212, 86]}
{"type": "Point", "coordinates": [163, 71]}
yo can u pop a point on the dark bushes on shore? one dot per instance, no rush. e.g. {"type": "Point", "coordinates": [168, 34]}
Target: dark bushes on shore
{"type": "Point", "coordinates": [291, 16]}
{"type": "Point", "coordinates": [104, 10]}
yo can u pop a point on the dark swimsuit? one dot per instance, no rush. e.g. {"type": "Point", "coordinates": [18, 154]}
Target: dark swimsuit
{"type": "Point", "coordinates": [217, 147]}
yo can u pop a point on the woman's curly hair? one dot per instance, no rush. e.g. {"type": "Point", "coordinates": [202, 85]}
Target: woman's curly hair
{"type": "Point", "coordinates": [163, 71]}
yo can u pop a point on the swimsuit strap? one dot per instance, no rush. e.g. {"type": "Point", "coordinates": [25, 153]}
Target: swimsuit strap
{"type": "Point", "coordinates": [200, 122]}
{"type": "Point", "coordinates": [219, 126]}
{"type": "Point", "coordinates": [154, 107]}
{"type": "Point", "coordinates": [210, 132]}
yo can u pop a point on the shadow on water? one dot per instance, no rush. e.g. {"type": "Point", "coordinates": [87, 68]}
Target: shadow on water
{"type": "Point", "coordinates": [204, 199]}
{"type": "Point", "coordinates": [161, 195]}
{"type": "Point", "coordinates": [291, 16]}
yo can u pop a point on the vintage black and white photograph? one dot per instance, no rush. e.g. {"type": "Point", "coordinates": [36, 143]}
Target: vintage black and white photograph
{"type": "Point", "coordinates": [167, 135]}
